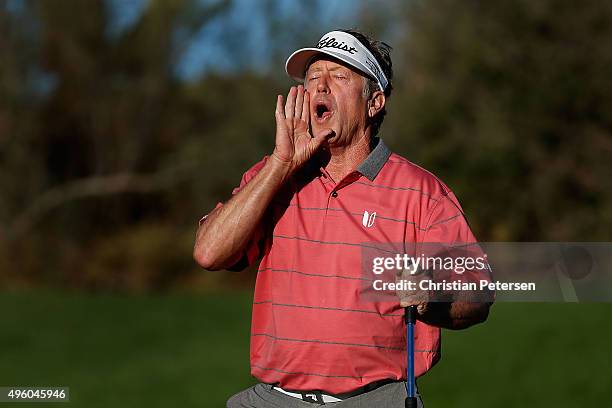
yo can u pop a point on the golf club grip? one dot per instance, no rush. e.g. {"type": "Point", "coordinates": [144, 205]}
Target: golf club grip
{"type": "Point", "coordinates": [410, 314]}
{"type": "Point", "coordinates": [411, 402]}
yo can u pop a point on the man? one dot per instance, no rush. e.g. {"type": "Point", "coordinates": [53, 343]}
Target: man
{"type": "Point", "coordinates": [330, 186]}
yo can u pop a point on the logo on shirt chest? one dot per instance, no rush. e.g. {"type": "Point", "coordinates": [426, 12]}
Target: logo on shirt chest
{"type": "Point", "coordinates": [368, 218]}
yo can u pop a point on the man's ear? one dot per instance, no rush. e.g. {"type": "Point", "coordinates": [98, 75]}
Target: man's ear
{"type": "Point", "coordinates": [376, 103]}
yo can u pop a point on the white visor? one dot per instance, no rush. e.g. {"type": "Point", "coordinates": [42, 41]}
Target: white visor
{"type": "Point", "coordinates": [342, 46]}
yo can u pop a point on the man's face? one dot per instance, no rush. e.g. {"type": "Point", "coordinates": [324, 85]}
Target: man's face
{"type": "Point", "coordinates": [337, 100]}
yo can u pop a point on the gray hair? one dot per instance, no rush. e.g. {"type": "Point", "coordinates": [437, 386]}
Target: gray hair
{"type": "Point", "coordinates": [382, 53]}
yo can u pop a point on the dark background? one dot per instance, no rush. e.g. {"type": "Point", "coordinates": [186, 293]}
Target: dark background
{"type": "Point", "coordinates": [122, 122]}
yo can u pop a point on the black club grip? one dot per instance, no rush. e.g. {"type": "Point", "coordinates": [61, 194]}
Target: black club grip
{"type": "Point", "coordinates": [411, 402]}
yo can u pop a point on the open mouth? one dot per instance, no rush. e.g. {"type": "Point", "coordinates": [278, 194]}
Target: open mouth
{"type": "Point", "coordinates": [323, 111]}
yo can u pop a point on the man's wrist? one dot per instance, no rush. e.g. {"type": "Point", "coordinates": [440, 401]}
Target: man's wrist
{"type": "Point", "coordinates": [280, 169]}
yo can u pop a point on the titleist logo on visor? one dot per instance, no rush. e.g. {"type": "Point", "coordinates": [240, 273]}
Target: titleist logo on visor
{"type": "Point", "coordinates": [342, 46]}
{"type": "Point", "coordinates": [330, 42]}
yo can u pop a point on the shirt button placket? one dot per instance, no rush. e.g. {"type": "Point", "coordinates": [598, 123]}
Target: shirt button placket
{"type": "Point", "coordinates": [331, 196]}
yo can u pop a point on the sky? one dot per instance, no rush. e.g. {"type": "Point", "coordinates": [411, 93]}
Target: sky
{"type": "Point", "coordinates": [210, 49]}
{"type": "Point", "coordinates": [251, 35]}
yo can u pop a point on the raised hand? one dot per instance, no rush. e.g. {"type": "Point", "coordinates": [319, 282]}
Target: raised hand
{"type": "Point", "coordinates": [294, 142]}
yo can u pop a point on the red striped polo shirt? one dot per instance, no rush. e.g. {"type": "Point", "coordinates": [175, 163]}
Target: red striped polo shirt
{"type": "Point", "coordinates": [310, 331]}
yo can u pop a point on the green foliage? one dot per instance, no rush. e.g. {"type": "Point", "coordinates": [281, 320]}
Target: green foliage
{"type": "Point", "coordinates": [108, 159]}
{"type": "Point", "coordinates": [116, 160]}
{"type": "Point", "coordinates": [506, 101]}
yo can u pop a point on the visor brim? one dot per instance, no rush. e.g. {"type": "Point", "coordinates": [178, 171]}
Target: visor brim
{"type": "Point", "coordinates": [298, 62]}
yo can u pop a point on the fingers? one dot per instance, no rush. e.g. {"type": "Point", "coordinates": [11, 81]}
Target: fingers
{"type": "Point", "coordinates": [414, 297]}
{"type": "Point", "coordinates": [318, 141]}
{"type": "Point", "coordinates": [422, 307]}
{"type": "Point", "coordinates": [279, 113]}
{"type": "Point", "coordinates": [408, 300]}
{"type": "Point", "coordinates": [306, 108]}
{"type": "Point", "coordinates": [290, 104]}
{"type": "Point", "coordinates": [299, 102]}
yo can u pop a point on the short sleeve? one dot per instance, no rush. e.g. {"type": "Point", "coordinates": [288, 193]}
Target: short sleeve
{"type": "Point", "coordinates": [448, 235]}
{"type": "Point", "coordinates": [253, 249]}
{"type": "Point", "coordinates": [447, 223]}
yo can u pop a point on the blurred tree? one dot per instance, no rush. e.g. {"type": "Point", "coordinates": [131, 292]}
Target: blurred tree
{"type": "Point", "coordinates": [108, 156]}
{"type": "Point", "coordinates": [507, 102]}
{"type": "Point", "coordinates": [111, 148]}
{"type": "Point", "coordinates": [110, 113]}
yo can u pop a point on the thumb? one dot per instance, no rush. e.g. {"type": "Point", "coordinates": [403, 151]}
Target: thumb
{"type": "Point", "coordinates": [325, 134]}
{"type": "Point", "coordinates": [316, 142]}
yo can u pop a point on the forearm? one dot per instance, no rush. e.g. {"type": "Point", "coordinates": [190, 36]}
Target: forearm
{"type": "Point", "coordinates": [455, 315]}
{"type": "Point", "coordinates": [224, 234]}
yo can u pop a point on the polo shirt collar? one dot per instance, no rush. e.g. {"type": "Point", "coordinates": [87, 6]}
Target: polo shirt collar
{"type": "Point", "coordinates": [375, 161]}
